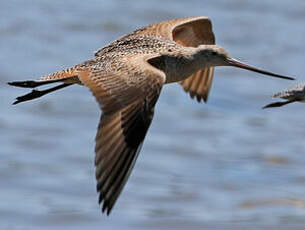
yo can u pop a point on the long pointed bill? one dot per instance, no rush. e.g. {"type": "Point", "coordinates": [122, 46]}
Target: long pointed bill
{"type": "Point", "coordinates": [236, 63]}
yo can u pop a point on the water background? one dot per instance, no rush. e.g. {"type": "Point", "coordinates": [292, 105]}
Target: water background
{"type": "Point", "coordinates": [222, 165]}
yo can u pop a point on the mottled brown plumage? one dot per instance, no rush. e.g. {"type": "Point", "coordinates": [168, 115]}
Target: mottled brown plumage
{"type": "Point", "coordinates": [126, 78]}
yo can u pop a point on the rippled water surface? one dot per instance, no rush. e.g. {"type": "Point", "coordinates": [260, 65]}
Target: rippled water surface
{"type": "Point", "coordinates": [222, 165]}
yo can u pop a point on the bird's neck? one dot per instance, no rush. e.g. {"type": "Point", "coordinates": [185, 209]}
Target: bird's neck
{"type": "Point", "coordinates": [180, 67]}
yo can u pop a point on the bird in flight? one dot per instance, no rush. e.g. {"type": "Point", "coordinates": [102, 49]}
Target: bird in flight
{"type": "Point", "coordinates": [126, 78]}
{"type": "Point", "coordinates": [293, 94]}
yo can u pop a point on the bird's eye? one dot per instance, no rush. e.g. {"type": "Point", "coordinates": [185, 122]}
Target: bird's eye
{"type": "Point", "coordinates": [214, 53]}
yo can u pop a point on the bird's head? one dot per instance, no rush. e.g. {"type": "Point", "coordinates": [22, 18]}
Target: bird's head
{"type": "Point", "coordinates": [212, 55]}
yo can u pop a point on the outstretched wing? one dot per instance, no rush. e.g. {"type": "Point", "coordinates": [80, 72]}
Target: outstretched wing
{"type": "Point", "coordinates": [127, 98]}
{"type": "Point", "coordinates": [192, 31]}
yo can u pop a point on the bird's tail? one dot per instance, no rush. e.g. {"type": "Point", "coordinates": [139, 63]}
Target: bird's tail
{"type": "Point", "coordinates": [67, 77]}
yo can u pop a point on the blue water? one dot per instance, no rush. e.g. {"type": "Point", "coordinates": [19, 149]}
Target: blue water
{"type": "Point", "coordinates": [222, 165]}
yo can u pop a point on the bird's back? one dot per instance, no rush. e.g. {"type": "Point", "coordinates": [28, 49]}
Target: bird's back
{"type": "Point", "coordinates": [137, 44]}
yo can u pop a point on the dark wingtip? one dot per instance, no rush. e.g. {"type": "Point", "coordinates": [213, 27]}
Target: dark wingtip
{"type": "Point", "coordinates": [104, 207]}
{"type": "Point", "coordinates": [266, 106]}
{"type": "Point", "coordinates": [108, 212]}
{"type": "Point", "coordinates": [205, 98]}
{"type": "Point", "coordinates": [25, 84]}
{"type": "Point", "coordinates": [272, 105]}
{"type": "Point", "coordinates": [34, 84]}
{"type": "Point", "coordinates": [290, 78]}
{"type": "Point", "coordinates": [16, 102]}
{"type": "Point", "coordinates": [278, 104]}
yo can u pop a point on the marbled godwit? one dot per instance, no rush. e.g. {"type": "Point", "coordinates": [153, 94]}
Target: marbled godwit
{"type": "Point", "coordinates": [126, 78]}
{"type": "Point", "coordinates": [293, 94]}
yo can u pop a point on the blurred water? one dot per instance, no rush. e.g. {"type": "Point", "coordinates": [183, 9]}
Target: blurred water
{"type": "Point", "coordinates": [224, 165]}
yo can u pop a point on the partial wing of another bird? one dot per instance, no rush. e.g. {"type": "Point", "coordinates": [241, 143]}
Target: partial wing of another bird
{"type": "Point", "coordinates": [192, 32]}
{"type": "Point", "coordinates": [278, 104]}
{"type": "Point", "coordinates": [293, 94]}
{"type": "Point", "coordinates": [127, 98]}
